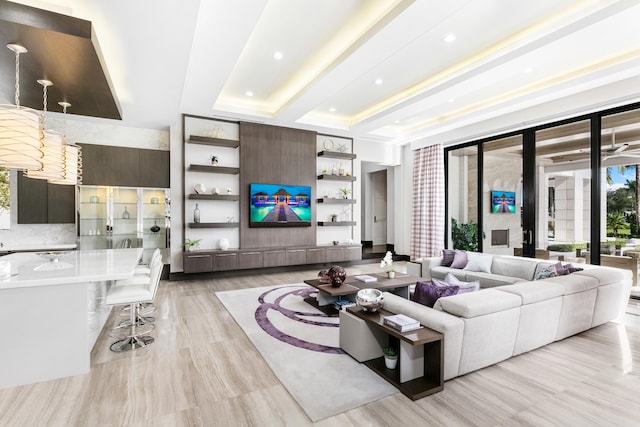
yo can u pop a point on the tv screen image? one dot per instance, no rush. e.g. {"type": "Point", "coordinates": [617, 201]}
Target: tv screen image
{"type": "Point", "coordinates": [277, 205]}
{"type": "Point", "coordinates": [503, 201]}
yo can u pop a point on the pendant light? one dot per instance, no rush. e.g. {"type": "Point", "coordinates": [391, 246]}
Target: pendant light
{"type": "Point", "coordinates": [20, 127]}
{"type": "Point", "coordinates": [53, 158]}
{"type": "Point", "coordinates": [72, 156]}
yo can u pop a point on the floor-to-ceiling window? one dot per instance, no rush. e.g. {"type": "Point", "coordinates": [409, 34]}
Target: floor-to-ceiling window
{"type": "Point", "coordinates": [539, 188]}
{"type": "Point", "coordinates": [462, 198]}
{"type": "Point", "coordinates": [502, 195]}
{"type": "Point", "coordinates": [620, 160]}
{"type": "Point", "coordinates": [563, 195]}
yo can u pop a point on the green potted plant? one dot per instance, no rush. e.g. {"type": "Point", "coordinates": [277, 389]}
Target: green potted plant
{"type": "Point", "coordinates": [191, 244]}
{"type": "Point", "coordinates": [345, 192]}
{"type": "Point", "coordinates": [390, 357]}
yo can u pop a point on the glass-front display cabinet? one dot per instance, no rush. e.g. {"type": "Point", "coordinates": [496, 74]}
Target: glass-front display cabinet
{"type": "Point", "coordinates": [123, 217]}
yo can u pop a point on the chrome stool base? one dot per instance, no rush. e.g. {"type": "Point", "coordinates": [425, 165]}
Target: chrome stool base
{"type": "Point", "coordinates": [131, 331]}
{"type": "Point", "coordinates": [131, 343]}
{"type": "Point", "coordinates": [140, 321]}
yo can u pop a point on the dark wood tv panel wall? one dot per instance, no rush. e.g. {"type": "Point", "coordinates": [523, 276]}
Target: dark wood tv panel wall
{"type": "Point", "coordinates": [275, 155]}
{"type": "Point", "coordinates": [271, 155]}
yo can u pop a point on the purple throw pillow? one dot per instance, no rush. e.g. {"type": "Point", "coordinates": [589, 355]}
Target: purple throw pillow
{"type": "Point", "coordinates": [561, 269]}
{"type": "Point", "coordinates": [459, 259]}
{"type": "Point", "coordinates": [447, 257]}
{"type": "Point", "coordinates": [427, 293]}
{"type": "Point", "coordinates": [571, 268]}
{"type": "Point", "coordinates": [464, 286]}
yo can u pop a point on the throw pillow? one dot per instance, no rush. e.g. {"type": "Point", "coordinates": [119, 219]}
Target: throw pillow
{"type": "Point", "coordinates": [447, 257]}
{"type": "Point", "coordinates": [561, 269]}
{"type": "Point", "coordinates": [479, 262]}
{"type": "Point", "coordinates": [571, 268]}
{"type": "Point", "coordinates": [547, 272]}
{"type": "Point", "coordinates": [427, 293]}
{"type": "Point", "coordinates": [464, 286]}
{"type": "Point", "coordinates": [459, 259]}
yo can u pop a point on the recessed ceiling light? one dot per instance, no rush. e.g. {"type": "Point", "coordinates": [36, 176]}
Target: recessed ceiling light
{"type": "Point", "coordinates": [378, 81]}
{"type": "Point", "coordinates": [332, 109]}
{"type": "Point", "coordinates": [277, 55]}
{"type": "Point", "coordinates": [452, 100]}
{"type": "Point", "coordinates": [528, 70]}
{"type": "Point", "coordinates": [449, 38]}
{"type": "Point", "coordinates": [248, 93]}
{"type": "Point", "coordinates": [396, 121]}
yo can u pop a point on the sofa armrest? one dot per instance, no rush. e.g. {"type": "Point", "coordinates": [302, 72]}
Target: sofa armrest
{"type": "Point", "coordinates": [428, 263]}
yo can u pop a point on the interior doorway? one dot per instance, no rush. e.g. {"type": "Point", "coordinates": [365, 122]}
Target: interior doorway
{"type": "Point", "coordinates": [377, 210]}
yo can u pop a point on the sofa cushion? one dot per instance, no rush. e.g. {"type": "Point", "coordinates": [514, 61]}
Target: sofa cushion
{"type": "Point", "coordinates": [464, 286]}
{"type": "Point", "coordinates": [459, 259]}
{"type": "Point", "coordinates": [605, 275]}
{"type": "Point", "coordinates": [532, 292]}
{"type": "Point", "coordinates": [489, 280]}
{"type": "Point", "coordinates": [447, 257]}
{"type": "Point", "coordinates": [479, 303]}
{"type": "Point", "coordinates": [478, 262]}
{"type": "Point", "coordinates": [523, 268]}
{"type": "Point", "coordinates": [441, 272]}
{"type": "Point", "coordinates": [574, 283]}
{"type": "Point", "coordinates": [427, 293]}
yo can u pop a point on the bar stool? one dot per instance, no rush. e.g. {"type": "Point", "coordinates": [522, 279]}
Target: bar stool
{"type": "Point", "coordinates": [141, 276]}
{"type": "Point", "coordinates": [135, 335]}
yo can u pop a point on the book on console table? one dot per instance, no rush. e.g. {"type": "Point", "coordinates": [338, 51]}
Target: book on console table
{"type": "Point", "coordinates": [401, 323]}
{"type": "Point", "coordinates": [365, 278]}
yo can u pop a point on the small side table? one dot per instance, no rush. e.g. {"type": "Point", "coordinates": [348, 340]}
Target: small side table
{"type": "Point", "coordinates": [420, 363]}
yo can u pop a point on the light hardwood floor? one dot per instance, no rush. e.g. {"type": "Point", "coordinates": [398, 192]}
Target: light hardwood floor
{"type": "Point", "coordinates": [203, 371]}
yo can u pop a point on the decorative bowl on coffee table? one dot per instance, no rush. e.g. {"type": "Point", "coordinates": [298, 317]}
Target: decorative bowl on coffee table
{"type": "Point", "coordinates": [369, 299]}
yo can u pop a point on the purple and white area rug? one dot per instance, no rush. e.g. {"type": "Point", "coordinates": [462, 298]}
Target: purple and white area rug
{"type": "Point", "coordinates": [301, 345]}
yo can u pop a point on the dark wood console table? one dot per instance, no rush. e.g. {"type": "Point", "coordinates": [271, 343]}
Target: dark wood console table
{"type": "Point", "coordinates": [420, 357]}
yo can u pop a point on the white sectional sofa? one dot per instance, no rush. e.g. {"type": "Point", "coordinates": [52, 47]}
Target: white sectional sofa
{"type": "Point", "coordinates": [488, 326]}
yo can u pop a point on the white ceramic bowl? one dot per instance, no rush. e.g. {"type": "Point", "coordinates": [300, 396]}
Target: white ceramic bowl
{"type": "Point", "coordinates": [369, 299]}
{"type": "Point", "coordinates": [200, 188]}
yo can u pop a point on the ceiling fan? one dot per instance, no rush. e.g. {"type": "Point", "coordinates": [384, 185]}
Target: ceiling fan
{"type": "Point", "coordinates": [617, 150]}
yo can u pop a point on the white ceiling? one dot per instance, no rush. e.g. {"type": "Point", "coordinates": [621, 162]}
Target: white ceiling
{"type": "Point", "coordinates": [527, 60]}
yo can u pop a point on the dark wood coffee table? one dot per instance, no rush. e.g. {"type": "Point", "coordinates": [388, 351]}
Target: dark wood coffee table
{"type": "Point", "coordinates": [328, 294]}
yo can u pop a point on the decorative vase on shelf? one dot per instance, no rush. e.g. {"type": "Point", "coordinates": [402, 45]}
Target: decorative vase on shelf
{"type": "Point", "coordinates": [196, 214]}
{"type": "Point", "coordinates": [125, 214]}
{"type": "Point", "coordinates": [391, 274]}
{"type": "Point", "coordinates": [224, 244]}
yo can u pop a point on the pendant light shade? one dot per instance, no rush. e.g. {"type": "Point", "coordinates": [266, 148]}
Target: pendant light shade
{"type": "Point", "coordinates": [72, 157]}
{"type": "Point", "coordinates": [73, 166]}
{"type": "Point", "coordinates": [52, 148]}
{"type": "Point", "coordinates": [20, 129]}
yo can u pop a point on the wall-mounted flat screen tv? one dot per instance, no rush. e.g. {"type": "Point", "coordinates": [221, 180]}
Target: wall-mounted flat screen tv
{"type": "Point", "coordinates": [277, 205]}
{"type": "Point", "coordinates": [503, 201]}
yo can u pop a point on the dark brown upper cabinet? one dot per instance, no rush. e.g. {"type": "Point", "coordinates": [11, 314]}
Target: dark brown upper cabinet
{"type": "Point", "coordinates": [125, 167]}
{"type": "Point", "coordinates": [42, 203]}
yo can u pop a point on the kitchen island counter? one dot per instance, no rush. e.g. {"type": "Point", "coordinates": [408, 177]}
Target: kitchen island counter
{"type": "Point", "coordinates": [45, 311]}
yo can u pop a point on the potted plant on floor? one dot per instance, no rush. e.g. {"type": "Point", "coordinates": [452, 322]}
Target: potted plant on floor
{"type": "Point", "coordinates": [390, 357]}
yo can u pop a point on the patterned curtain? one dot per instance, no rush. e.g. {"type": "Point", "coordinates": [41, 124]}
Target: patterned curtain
{"type": "Point", "coordinates": [427, 221]}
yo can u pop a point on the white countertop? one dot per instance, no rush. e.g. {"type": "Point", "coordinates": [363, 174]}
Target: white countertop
{"type": "Point", "coordinates": [28, 269]}
{"type": "Point", "coordinates": [36, 247]}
